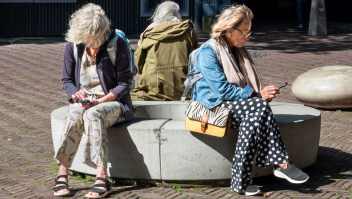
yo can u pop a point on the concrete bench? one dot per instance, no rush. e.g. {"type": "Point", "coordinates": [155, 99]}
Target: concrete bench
{"type": "Point", "coordinates": [153, 147]}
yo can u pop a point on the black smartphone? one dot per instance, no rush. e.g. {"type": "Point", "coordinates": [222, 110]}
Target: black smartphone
{"type": "Point", "coordinates": [84, 101]}
{"type": "Point", "coordinates": [282, 85]}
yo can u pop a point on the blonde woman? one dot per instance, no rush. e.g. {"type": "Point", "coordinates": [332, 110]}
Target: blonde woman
{"type": "Point", "coordinates": [98, 95]}
{"type": "Point", "coordinates": [162, 57]}
{"type": "Point", "coordinates": [230, 78]}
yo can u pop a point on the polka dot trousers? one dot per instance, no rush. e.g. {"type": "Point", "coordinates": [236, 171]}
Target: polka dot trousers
{"type": "Point", "coordinates": [258, 134]}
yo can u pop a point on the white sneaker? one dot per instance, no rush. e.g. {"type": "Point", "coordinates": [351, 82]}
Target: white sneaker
{"type": "Point", "coordinates": [251, 190]}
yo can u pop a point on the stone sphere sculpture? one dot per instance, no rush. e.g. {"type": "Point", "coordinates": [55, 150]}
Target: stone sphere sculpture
{"type": "Point", "coordinates": [327, 87]}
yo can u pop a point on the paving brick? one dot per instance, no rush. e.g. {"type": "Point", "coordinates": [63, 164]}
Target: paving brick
{"type": "Point", "coordinates": [173, 195]}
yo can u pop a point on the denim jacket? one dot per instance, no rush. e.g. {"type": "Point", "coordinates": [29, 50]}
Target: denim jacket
{"type": "Point", "coordinates": [213, 88]}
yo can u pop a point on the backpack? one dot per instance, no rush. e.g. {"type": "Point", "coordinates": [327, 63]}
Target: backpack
{"type": "Point", "coordinates": [192, 78]}
{"type": "Point", "coordinates": [112, 53]}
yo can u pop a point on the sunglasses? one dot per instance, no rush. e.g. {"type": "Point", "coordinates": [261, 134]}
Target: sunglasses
{"type": "Point", "coordinates": [246, 35]}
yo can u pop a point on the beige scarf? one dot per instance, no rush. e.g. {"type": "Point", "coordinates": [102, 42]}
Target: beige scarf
{"type": "Point", "coordinates": [249, 75]}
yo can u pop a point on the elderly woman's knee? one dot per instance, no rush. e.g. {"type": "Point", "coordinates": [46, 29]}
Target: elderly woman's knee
{"type": "Point", "coordinates": [93, 113]}
{"type": "Point", "coordinates": [261, 101]}
{"type": "Point", "coordinates": [75, 112]}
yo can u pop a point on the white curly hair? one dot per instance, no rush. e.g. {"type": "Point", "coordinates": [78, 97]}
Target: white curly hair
{"type": "Point", "coordinates": [166, 8]}
{"type": "Point", "coordinates": [89, 25]}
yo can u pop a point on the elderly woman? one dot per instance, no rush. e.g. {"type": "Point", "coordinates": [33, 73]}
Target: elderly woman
{"type": "Point", "coordinates": [162, 57]}
{"type": "Point", "coordinates": [230, 78]}
{"type": "Point", "coordinates": [104, 89]}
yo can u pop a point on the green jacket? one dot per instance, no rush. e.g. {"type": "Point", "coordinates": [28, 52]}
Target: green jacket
{"type": "Point", "coordinates": [162, 60]}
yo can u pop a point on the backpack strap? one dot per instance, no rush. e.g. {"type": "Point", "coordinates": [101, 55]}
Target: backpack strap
{"type": "Point", "coordinates": [212, 44]}
{"type": "Point", "coordinates": [123, 36]}
{"type": "Point", "coordinates": [111, 48]}
{"type": "Point", "coordinates": [75, 54]}
{"type": "Point", "coordinates": [195, 78]}
{"type": "Point", "coordinates": [191, 78]}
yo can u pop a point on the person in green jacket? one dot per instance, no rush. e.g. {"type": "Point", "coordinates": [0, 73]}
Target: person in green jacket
{"type": "Point", "coordinates": [162, 57]}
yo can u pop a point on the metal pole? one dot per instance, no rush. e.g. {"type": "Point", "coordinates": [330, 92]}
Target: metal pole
{"type": "Point", "coordinates": [317, 21]}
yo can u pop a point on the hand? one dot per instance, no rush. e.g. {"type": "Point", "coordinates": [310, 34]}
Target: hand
{"type": "Point", "coordinates": [92, 103]}
{"type": "Point", "coordinates": [79, 95]}
{"type": "Point", "coordinates": [107, 98]}
{"type": "Point", "coordinates": [97, 101]}
{"type": "Point", "coordinates": [269, 92]}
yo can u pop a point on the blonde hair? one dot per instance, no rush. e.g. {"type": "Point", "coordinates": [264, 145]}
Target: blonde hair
{"type": "Point", "coordinates": [89, 25]}
{"type": "Point", "coordinates": [166, 8]}
{"type": "Point", "coordinates": [231, 18]}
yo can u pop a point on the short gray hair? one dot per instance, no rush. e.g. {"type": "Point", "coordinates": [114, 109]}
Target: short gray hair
{"type": "Point", "coordinates": [166, 8]}
{"type": "Point", "coordinates": [89, 25]}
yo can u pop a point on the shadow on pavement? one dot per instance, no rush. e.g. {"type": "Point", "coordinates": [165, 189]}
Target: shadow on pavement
{"type": "Point", "coordinates": [331, 166]}
{"type": "Point", "coordinates": [300, 43]}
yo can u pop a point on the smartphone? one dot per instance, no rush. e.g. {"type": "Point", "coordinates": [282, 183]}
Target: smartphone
{"type": "Point", "coordinates": [84, 101]}
{"type": "Point", "coordinates": [282, 85]}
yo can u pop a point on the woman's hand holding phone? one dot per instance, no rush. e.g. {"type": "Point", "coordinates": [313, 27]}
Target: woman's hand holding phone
{"type": "Point", "coordinates": [270, 92]}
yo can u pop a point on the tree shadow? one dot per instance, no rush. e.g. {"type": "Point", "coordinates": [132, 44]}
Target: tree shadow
{"type": "Point", "coordinates": [300, 42]}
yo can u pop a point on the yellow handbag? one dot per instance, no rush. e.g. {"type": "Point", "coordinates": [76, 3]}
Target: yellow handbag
{"type": "Point", "coordinates": [214, 121]}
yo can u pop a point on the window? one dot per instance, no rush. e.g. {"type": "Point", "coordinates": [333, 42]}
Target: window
{"type": "Point", "coordinates": [148, 6]}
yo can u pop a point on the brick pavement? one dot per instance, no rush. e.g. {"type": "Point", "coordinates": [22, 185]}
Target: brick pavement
{"type": "Point", "coordinates": [30, 87]}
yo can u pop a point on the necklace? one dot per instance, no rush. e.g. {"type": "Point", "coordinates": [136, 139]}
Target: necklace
{"type": "Point", "coordinates": [89, 60]}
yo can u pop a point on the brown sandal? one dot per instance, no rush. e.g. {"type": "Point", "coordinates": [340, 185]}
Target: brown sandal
{"type": "Point", "coordinates": [102, 193]}
{"type": "Point", "coordinates": [64, 186]}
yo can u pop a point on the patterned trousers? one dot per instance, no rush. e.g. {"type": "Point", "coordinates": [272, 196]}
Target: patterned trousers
{"type": "Point", "coordinates": [93, 122]}
{"type": "Point", "coordinates": [258, 134]}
